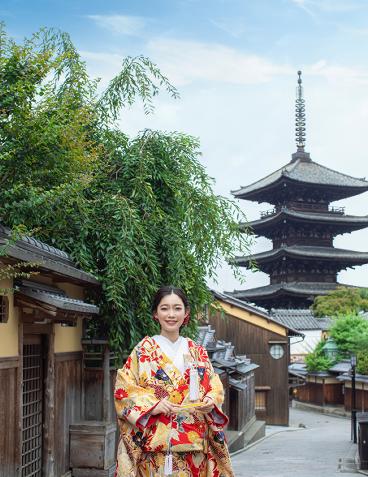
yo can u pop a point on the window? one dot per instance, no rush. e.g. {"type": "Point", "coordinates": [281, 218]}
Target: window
{"type": "Point", "coordinates": [260, 404]}
{"type": "Point", "coordinates": [4, 309]}
{"type": "Point", "coordinates": [277, 351]}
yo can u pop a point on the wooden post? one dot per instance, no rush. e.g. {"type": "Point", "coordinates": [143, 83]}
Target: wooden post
{"type": "Point", "coordinates": [19, 403]}
{"type": "Point", "coordinates": [49, 435]}
{"type": "Point", "coordinates": [106, 414]}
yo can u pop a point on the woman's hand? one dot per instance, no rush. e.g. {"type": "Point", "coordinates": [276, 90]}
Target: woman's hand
{"type": "Point", "coordinates": [208, 405]}
{"type": "Point", "coordinates": [164, 407]}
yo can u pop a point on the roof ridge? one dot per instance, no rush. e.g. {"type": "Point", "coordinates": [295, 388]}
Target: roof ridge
{"type": "Point", "coordinates": [340, 173]}
{"type": "Point", "coordinates": [292, 165]}
{"type": "Point", "coordinates": [285, 247]}
{"type": "Point", "coordinates": [259, 180]}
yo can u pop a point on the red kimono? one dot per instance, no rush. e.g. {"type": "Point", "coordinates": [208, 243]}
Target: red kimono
{"type": "Point", "coordinates": [196, 440]}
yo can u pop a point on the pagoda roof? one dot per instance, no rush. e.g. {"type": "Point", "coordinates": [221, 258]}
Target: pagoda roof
{"type": "Point", "coordinates": [291, 288]}
{"type": "Point", "coordinates": [350, 221]}
{"type": "Point", "coordinates": [307, 252]}
{"type": "Point", "coordinates": [305, 171]}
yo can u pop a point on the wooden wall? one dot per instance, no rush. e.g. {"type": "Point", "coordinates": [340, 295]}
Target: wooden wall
{"type": "Point", "coordinates": [9, 403]}
{"type": "Point", "coordinates": [253, 341]}
{"type": "Point", "coordinates": [321, 392]}
{"type": "Point", "coordinates": [68, 404]}
{"type": "Point", "coordinates": [241, 410]}
{"type": "Point", "coordinates": [361, 398]}
{"type": "Point", "coordinates": [93, 394]}
{"type": "Point", "coordinates": [311, 392]}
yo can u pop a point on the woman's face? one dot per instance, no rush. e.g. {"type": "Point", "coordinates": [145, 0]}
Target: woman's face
{"type": "Point", "coordinates": [170, 313]}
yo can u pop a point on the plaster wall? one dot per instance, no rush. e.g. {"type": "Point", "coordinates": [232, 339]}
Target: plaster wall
{"type": "Point", "coordinates": [253, 318]}
{"type": "Point", "coordinates": [9, 330]}
{"type": "Point", "coordinates": [67, 338]}
{"type": "Point", "coordinates": [301, 348]}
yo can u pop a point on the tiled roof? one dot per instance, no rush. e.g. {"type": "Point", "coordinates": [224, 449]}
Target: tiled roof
{"type": "Point", "coordinates": [300, 319]}
{"type": "Point", "coordinates": [323, 253]}
{"type": "Point", "coordinates": [50, 258]}
{"type": "Point", "coordinates": [305, 172]}
{"type": "Point", "coordinates": [360, 378]}
{"type": "Point", "coordinates": [241, 304]}
{"type": "Point", "coordinates": [55, 297]}
{"type": "Point", "coordinates": [299, 369]}
{"type": "Point", "coordinates": [341, 367]}
{"type": "Point", "coordinates": [231, 300]}
{"type": "Point", "coordinates": [315, 217]}
{"type": "Point", "coordinates": [293, 288]}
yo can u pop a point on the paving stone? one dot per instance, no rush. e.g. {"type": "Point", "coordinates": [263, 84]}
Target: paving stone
{"type": "Point", "coordinates": [320, 449]}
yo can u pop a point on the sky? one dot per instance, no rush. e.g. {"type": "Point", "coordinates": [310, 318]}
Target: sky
{"type": "Point", "coordinates": [234, 63]}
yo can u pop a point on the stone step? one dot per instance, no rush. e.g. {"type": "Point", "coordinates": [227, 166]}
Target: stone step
{"type": "Point", "coordinates": [250, 433]}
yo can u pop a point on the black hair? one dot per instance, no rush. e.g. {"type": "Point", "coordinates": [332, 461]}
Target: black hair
{"type": "Point", "coordinates": [168, 290]}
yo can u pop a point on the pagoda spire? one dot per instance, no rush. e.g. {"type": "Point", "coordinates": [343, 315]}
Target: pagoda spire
{"type": "Point", "coordinates": [300, 122]}
{"type": "Point", "coordinates": [300, 115]}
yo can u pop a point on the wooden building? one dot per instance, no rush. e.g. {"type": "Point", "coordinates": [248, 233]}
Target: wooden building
{"type": "Point", "coordinates": [41, 390]}
{"type": "Point", "coordinates": [361, 391]}
{"type": "Point", "coordinates": [302, 262]}
{"type": "Point", "coordinates": [266, 342]}
{"type": "Point", "coordinates": [332, 387]}
{"type": "Point", "coordinates": [321, 388]}
{"type": "Point", "coordinates": [303, 320]}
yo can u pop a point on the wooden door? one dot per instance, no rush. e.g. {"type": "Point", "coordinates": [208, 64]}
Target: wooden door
{"type": "Point", "coordinates": [32, 406]}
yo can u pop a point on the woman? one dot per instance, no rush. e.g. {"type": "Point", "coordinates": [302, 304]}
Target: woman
{"type": "Point", "coordinates": [168, 400]}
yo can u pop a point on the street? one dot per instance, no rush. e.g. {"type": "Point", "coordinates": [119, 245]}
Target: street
{"type": "Point", "coordinates": [299, 452]}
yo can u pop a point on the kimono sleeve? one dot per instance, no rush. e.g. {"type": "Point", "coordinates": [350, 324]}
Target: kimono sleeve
{"type": "Point", "coordinates": [215, 389]}
{"type": "Point", "coordinates": [132, 401]}
{"type": "Point", "coordinates": [216, 393]}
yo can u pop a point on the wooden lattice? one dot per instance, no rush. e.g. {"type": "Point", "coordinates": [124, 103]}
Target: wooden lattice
{"type": "Point", "coordinates": [32, 410]}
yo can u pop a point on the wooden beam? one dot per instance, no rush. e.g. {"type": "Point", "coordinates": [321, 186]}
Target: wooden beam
{"type": "Point", "coordinates": [49, 429]}
{"type": "Point", "coordinates": [19, 403]}
{"type": "Point", "coordinates": [25, 303]}
{"type": "Point", "coordinates": [106, 404]}
{"type": "Point", "coordinates": [8, 362]}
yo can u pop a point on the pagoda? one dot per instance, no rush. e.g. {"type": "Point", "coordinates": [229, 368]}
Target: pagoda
{"type": "Point", "coordinates": [303, 262]}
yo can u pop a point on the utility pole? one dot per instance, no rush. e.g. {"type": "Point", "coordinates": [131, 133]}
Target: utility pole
{"type": "Point", "coordinates": [353, 400]}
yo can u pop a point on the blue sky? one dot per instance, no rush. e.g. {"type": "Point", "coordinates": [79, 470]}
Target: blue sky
{"type": "Point", "coordinates": [234, 63]}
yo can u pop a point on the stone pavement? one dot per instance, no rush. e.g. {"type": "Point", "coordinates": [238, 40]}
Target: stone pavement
{"type": "Point", "coordinates": [313, 451]}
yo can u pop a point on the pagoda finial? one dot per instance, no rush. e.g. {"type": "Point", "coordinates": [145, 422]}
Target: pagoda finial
{"type": "Point", "coordinates": [300, 115]}
{"type": "Point", "coordinates": [300, 122]}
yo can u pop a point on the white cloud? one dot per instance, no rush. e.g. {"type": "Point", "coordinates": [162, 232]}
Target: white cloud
{"type": "Point", "coordinates": [120, 24]}
{"type": "Point", "coordinates": [190, 62]}
{"type": "Point", "coordinates": [109, 58]}
{"type": "Point", "coordinates": [353, 31]}
{"type": "Point", "coordinates": [328, 6]}
{"type": "Point", "coordinates": [187, 61]}
{"type": "Point", "coordinates": [304, 6]}
{"type": "Point", "coordinates": [233, 27]}
{"type": "Point", "coordinates": [338, 73]}
{"type": "Point", "coordinates": [102, 65]}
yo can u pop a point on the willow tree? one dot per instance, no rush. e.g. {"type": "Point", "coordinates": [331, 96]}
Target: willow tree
{"type": "Point", "coordinates": [136, 212]}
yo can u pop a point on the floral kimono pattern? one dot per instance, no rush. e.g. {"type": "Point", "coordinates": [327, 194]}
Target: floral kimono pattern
{"type": "Point", "coordinates": [196, 440]}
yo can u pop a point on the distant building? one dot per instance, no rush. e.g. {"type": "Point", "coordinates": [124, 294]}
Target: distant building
{"type": "Point", "coordinates": [314, 329]}
{"type": "Point", "coordinates": [41, 358]}
{"type": "Point", "coordinates": [265, 341]}
{"type": "Point", "coordinates": [303, 262]}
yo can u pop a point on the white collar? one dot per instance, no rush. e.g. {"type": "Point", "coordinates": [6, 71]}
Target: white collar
{"type": "Point", "coordinates": [175, 351]}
